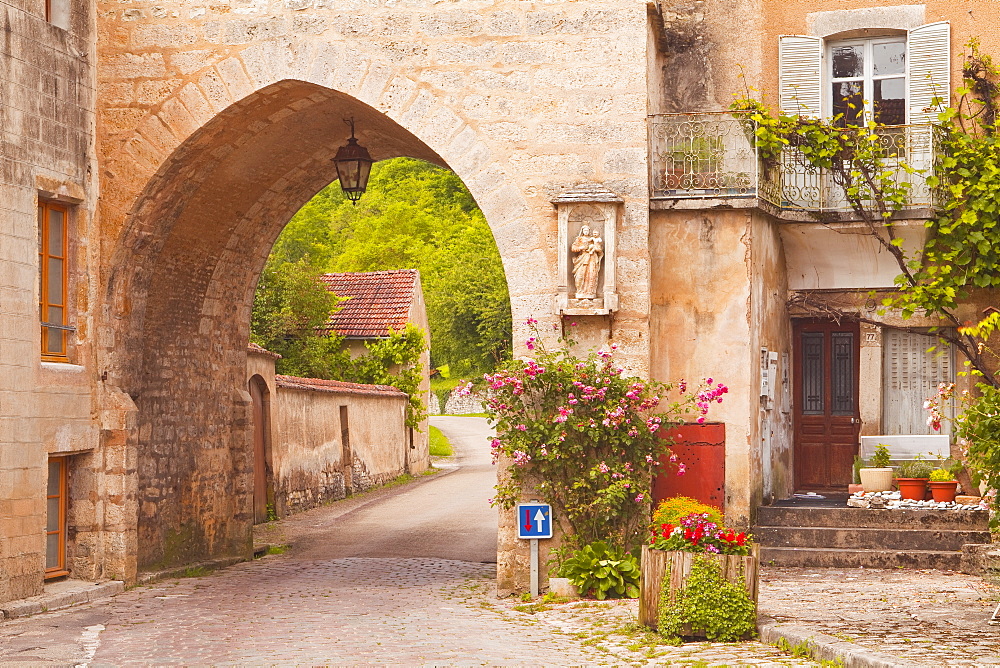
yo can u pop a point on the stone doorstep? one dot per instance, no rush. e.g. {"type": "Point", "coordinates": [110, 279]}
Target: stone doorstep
{"type": "Point", "coordinates": [61, 595]}
{"type": "Point", "coordinates": [827, 647]}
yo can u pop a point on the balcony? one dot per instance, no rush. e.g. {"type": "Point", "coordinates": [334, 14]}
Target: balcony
{"type": "Point", "coordinates": [711, 156]}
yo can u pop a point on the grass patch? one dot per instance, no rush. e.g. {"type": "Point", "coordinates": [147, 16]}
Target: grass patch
{"type": "Point", "coordinates": [440, 447]}
{"type": "Point", "coordinates": [196, 572]}
{"type": "Point", "coordinates": [277, 549]}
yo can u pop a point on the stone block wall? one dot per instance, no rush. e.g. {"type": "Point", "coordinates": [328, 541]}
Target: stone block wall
{"type": "Point", "coordinates": [46, 120]}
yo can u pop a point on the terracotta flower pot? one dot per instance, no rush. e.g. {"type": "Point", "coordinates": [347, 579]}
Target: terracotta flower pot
{"type": "Point", "coordinates": [912, 488]}
{"type": "Point", "coordinates": [876, 480]}
{"type": "Point", "coordinates": [943, 491]}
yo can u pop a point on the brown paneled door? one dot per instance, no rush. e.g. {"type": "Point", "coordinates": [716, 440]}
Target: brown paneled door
{"type": "Point", "coordinates": [827, 423]}
{"type": "Point", "coordinates": [257, 393]}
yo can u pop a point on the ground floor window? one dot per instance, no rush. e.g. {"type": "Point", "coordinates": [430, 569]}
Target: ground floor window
{"type": "Point", "coordinates": [913, 365]}
{"type": "Point", "coordinates": [55, 525]}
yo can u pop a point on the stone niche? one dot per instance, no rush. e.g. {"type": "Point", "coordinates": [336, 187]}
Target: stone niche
{"type": "Point", "coordinates": [588, 223]}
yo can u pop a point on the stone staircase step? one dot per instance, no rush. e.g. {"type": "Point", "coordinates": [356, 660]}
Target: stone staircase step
{"type": "Point", "coordinates": [819, 557]}
{"type": "Point", "coordinates": [868, 538]}
{"type": "Point", "coordinates": [863, 518]}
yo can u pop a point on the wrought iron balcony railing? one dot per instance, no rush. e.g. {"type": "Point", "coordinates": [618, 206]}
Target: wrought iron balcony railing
{"type": "Point", "coordinates": [712, 156]}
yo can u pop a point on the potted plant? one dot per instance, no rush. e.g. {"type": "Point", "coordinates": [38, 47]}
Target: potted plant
{"type": "Point", "coordinates": [877, 475]}
{"type": "Point", "coordinates": [911, 478]}
{"type": "Point", "coordinates": [699, 579]}
{"type": "Point", "coordinates": [943, 485]}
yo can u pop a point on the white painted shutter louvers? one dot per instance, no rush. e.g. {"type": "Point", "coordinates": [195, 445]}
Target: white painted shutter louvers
{"type": "Point", "coordinates": [928, 71]}
{"type": "Point", "coordinates": [799, 75]}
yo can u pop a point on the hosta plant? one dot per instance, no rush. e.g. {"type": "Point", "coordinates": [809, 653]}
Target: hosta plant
{"type": "Point", "coordinates": [602, 571]}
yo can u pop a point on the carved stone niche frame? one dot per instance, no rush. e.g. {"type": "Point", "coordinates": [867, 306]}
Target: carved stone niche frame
{"type": "Point", "coordinates": [598, 209]}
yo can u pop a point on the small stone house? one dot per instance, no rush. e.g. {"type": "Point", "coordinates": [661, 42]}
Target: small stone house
{"type": "Point", "coordinates": [374, 302]}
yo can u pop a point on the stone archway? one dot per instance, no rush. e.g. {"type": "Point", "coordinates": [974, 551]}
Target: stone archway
{"type": "Point", "coordinates": [216, 122]}
{"type": "Point", "coordinates": [180, 290]}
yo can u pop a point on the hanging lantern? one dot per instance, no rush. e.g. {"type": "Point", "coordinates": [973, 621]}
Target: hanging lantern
{"type": "Point", "coordinates": [354, 165]}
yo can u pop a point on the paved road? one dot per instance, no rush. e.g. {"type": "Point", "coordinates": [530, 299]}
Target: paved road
{"type": "Point", "coordinates": [394, 577]}
{"type": "Point", "coordinates": [447, 517]}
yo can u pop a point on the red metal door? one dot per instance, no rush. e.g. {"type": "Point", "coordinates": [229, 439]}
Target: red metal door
{"type": "Point", "coordinates": [702, 450]}
{"type": "Point", "coordinates": [827, 424]}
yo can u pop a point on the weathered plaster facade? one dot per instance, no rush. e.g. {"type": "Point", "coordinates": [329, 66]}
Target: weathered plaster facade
{"type": "Point", "coordinates": [184, 135]}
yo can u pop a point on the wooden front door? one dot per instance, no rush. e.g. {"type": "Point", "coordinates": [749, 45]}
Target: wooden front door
{"type": "Point", "coordinates": [257, 394]}
{"type": "Point", "coordinates": [827, 423]}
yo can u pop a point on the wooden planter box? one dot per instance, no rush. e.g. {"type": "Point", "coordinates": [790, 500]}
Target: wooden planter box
{"type": "Point", "coordinates": [654, 565]}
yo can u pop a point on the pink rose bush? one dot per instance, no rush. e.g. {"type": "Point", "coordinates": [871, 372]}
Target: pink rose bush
{"type": "Point", "coordinates": [586, 436]}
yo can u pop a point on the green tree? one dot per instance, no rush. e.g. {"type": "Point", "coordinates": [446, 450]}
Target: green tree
{"type": "Point", "coordinates": [416, 216]}
{"type": "Point", "coordinates": [290, 307]}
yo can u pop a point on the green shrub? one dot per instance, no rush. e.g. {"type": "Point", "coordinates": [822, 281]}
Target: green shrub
{"type": "Point", "coordinates": [602, 571]}
{"type": "Point", "coordinates": [714, 607]}
{"type": "Point", "coordinates": [676, 508]}
{"type": "Point", "coordinates": [915, 468]}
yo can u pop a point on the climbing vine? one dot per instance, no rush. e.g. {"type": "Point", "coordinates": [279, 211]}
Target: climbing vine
{"type": "Point", "coordinates": [961, 253]}
{"type": "Point", "coordinates": [707, 604]}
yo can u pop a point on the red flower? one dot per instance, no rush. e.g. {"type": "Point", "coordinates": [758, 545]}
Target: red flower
{"type": "Point", "coordinates": [741, 539]}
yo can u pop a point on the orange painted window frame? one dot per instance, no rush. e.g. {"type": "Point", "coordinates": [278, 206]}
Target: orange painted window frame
{"type": "Point", "coordinates": [44, 257]}
{"type": "Point", "coordinates": [59, 569]}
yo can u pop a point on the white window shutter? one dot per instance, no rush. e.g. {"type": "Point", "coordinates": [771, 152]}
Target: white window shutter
{"type": "Point", "coordinates": [928, 71]}
{"type": "Point", "coordinates": [800, 76]}
{"type": "Point", "coordinates": [911, 376]}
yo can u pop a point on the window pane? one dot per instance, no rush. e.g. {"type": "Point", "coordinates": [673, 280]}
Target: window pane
{"type": "Point", "coordinates": [52, 551]}
{"type": "Point", "coordinates": [848, 101]}
{"type": "Point", "coordinates": [890, 101]}
{"type": "Point", "coordinates": [56, 222]}
{"type": "Point", "coordinates": [55, 341]}
{"type": "Point", "coordinates": [55, 278]}
{"type": "Point", "coordinates": [848, 61]}
{"type": "Point", "coordinates": [812, 373]}
{"type": "Point", "coordinates": [54, 470]}
{"type": "Point", "coordinates": [52, 523]}
{"type": "Point", "coordinates": [889, 58]}
{"type": "Point", "coordinates": [842, 372]}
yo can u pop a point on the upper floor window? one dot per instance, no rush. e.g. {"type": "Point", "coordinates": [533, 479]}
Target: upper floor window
{"type": "Point", "coordinates": [894, 80]}
{"type": "Point", "coordinates": [868, 81]}
{"type": "Point", "coordinates": [53, 255]}
{"type": "Point", "coordinates": [57, 12]}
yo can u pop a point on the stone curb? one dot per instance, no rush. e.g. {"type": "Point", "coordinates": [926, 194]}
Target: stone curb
{"type": "Point", "coordinates": [827, 647]}
{"type": "Point", "coordinates": [46, 602]}
{"type": "Point", "coordinates": [150, 577]}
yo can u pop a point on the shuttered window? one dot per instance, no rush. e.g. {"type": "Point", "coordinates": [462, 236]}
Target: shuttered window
{"type": "Point", "coordinates": [913, 364]}
{"type": "Point", "coordinates": [800, 75]}
{"type": "Point", "coordinates": [807, 77]}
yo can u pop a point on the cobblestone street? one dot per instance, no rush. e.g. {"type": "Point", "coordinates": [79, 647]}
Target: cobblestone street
{"type": "Point", "coordinates": [333, 598]}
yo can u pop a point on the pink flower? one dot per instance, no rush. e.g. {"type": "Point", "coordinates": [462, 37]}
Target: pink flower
{"type": "Point", "coordinates": [639, 498]}
{"type": "Point", "coordinates": [681, 469]}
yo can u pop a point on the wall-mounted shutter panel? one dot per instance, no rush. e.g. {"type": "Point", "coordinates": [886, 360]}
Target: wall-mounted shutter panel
{"type": "Point", "coordinates": [911, 376]}
{"type": "Point", "coordinates": [800, 76]}
{"type": "Point", "coordinates": [928, 71]}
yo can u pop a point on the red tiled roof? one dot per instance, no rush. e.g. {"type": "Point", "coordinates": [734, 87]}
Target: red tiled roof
{"type": "Point", "coordinates": [378, 300]}
{"type": "Point", "coordinates": [319, 385]}
{"type": "Point", "coordinates": [254, 348]}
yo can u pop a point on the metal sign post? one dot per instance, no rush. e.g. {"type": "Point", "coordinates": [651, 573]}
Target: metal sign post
{"type": "Point", "coordinates": [534, 521]}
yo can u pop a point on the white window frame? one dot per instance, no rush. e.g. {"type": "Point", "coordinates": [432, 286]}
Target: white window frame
{"type": "Point", "coordinates": [868, 79]}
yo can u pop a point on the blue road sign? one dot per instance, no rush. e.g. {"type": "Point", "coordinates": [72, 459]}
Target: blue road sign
{"type": "Point", "coordinates": [534, 520]}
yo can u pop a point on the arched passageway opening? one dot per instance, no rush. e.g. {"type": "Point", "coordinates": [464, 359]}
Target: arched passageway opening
{"type": "Point", "coordinates": [181, 288]}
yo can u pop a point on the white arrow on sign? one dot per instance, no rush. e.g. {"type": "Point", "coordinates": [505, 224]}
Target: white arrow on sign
{"type": "Point", "coordinates": [539, 520]}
